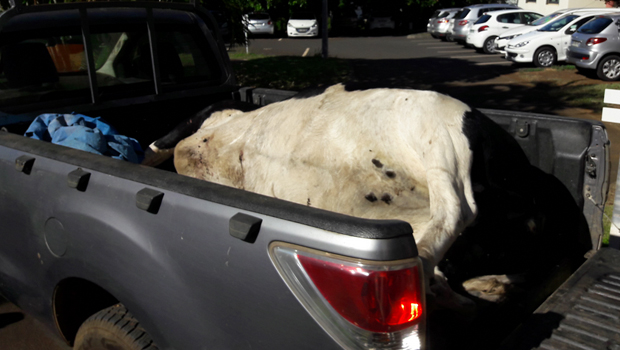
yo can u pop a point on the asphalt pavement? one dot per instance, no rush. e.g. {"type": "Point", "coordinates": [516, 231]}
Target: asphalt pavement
{"type": "Point", "coordinates": [19, 331]}
{"type": "Point", "coordinates": [377, 47]}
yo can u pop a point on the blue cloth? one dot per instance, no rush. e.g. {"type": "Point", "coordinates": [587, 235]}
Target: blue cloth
{"type": "Point", "coordinates": [85, 133]}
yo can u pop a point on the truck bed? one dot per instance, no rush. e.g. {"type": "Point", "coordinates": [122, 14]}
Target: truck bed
{"type": "Point", "coordinates": [583, 313]}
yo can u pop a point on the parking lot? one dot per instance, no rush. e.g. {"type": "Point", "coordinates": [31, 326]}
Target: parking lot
{"type": "Point", "coordinates": [378, 47]}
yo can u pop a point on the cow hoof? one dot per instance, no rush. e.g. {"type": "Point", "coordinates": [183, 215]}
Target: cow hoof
{"type": "Point", "coordinates": [493, 288]}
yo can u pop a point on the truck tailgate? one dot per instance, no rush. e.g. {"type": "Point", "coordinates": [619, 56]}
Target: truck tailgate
{"type": "Point", "coordinates": [584, 313]}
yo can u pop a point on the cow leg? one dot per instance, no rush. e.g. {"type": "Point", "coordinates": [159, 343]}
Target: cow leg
{"type": "Point", "coordinates": [452, 209]}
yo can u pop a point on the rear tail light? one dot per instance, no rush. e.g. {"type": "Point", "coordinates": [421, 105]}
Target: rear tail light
{"type": "Point", "coordinates": [443, 21]}
{"type": "Point", "coordinates": [269, 23]}
{"type": "Point", "coordinates": [361, 304]}
{"type": "Point", "coordinates": [483, 28]}
{"type": "Point", "coordinates": [594, 41]}
{"type": "Point", "coordinates": [463, 22]}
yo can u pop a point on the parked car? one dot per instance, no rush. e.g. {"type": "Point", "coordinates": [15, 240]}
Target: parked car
{"type": "Point", "coordinates": [302, 24]}
{"type": "Point", "coordinates": [547, 45]}
{"type": "Point", "coordinates": [438, 26]}
{"type": "Point", "coordinates": [487, 28]}
{"type": "Point", "coordinates": [502, 40]}
{"type": "Point", "coordinates": [381, 19]}
{"type": "Point", "coordinates": [345, 22]}
{"type": "Point", "coordinates": [259, 23]}
{"type": "Point", "coordinates": [596, 45]}
{"type": "Point", "coordinates": [469, 14]}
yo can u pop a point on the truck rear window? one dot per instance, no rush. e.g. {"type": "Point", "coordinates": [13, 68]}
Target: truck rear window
{"type": "Point", "coordinates": [50, 66]}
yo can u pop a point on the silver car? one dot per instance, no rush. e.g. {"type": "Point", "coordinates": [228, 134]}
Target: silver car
{"type": "Point", "coordinates": [259, 23]}
{"type": "Point", "coordinates": [438, 26]}
{"type": "Point", "coordinates": [596, 45]}
{"type": "Point", "coordinates": [466, 17]}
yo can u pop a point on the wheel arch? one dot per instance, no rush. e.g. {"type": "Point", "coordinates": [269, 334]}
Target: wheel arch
{"type": "Point", "coordinates": [75, 300]}
{"type": "Point", "coordinates": [601, 58]}
{"type": "Point", "coordinates": [546, 46]}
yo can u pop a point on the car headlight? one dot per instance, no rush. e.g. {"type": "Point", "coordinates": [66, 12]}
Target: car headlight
{"type": "Point", "coordinates": [289, 25]}
{"type": "Point", "coordinates": [521, 44]}
{"type": "Point", "coordinates": [315, 25]}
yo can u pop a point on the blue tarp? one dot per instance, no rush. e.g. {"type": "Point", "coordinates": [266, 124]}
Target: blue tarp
{"type": "Point", "coordinates": [85, 133]}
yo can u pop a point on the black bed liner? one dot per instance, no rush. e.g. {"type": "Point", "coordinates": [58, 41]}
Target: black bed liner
{"type": "Point", "coordinates": [584, 313]}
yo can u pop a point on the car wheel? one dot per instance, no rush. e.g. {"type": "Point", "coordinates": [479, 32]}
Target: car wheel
{"type": "Point", "coordinates": [113, 328]}
{"type": "Point", "coordinates": [489, 45]}
{"type": "Point", "coordinates": [544, 57]}
{"type": "Point", "coordinates": [609, 68]}
{"type": "Point", "coordinates": [449, 38]}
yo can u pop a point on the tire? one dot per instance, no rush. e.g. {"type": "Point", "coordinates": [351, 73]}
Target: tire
{"type": "Point", "coordinates": [609, 68]}
{"type": "Point", "coordinates": [449, 38]}
{"type": "Point", "coordinates": [545, 57]}
{"type": "Point", "coordinates": [113, 328]}
{"type": "Point", "coordinates": [489, 45]}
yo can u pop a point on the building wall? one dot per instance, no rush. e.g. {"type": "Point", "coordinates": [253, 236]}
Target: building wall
{"type": "Point", "coordinates": [541, 6]}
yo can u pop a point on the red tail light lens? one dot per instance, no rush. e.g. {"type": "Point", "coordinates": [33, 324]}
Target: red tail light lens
{"type": "Point", "coordinates": [483, 28]}
{"type": "Point", "coordinates": [269, 23]}
{"type": "Point", "coordinates": [377, 301]}
{"type": "Point", "coordinates": [361, 304]}
{"type": "Point", "coordinates": [463, 22]}
{"type": "Point", "coordinates": [443, 21]}
{"type": "Point", "coordinates": [594, 41]}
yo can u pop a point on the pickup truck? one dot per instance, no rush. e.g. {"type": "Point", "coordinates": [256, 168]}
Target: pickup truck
{"type": "Point", "coordinates": [110, 253]}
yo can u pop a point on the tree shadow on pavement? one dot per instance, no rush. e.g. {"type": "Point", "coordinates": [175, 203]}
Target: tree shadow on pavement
{"type": "Point", "coordinates": [481, 86]}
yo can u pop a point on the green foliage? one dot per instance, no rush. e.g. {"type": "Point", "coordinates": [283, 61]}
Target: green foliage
{"type": "Point", "coordinates": [609, 211]}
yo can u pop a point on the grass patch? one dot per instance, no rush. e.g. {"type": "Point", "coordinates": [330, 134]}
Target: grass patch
{"type": "Point", "coordinates": [289, 72]}
{"type": "Point", "coordinates": [609, 211]}
{"type": "Point", "coordinates": [583, 96]}
{"type": "Point", "coordinates": [242, 56]}
{"type": "Point", "coordinates": [558, 67]}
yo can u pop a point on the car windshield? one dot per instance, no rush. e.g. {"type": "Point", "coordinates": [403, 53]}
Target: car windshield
{"type": "Point", "coordinates": [558, 24]}
{"type": "Point", "coordinates": [545, 19]}
{"type": "Point", "coordinates": [303, 15]}
{"type": "Point", "coordinates": [462, 14]}
{"type": "Point", "coordinates": [444, 14]}
{"type": "Point", "coordinates": [258, 16]}
{"type": "Point", "coordinates": [595, 26]}
{"type": "Point", "coordinates": [483, 19]}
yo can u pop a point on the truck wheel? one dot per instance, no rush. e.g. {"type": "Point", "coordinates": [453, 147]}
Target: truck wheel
{"type": "Point", "coordinates": [489, 45]}
{"type": "Point", "coordinates": [609, 68]}
{"type": "Point", "coordinates": [113, 328]}
{"type": "Point", "coordinates": [544, 57]}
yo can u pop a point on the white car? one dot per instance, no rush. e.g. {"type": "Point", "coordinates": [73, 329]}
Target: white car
{"type": "Point", "coordinates": [302, 24]}
{"type": "Point", "coordinates": [504, 38]}
{"type": "Point", "coordinates": [548, 44]}
{"type": "Point", "coordinates": [492, 24]}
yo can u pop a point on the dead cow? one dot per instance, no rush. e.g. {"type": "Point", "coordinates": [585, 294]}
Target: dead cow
{"type": "Point", "coordinates": [417, 156]}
